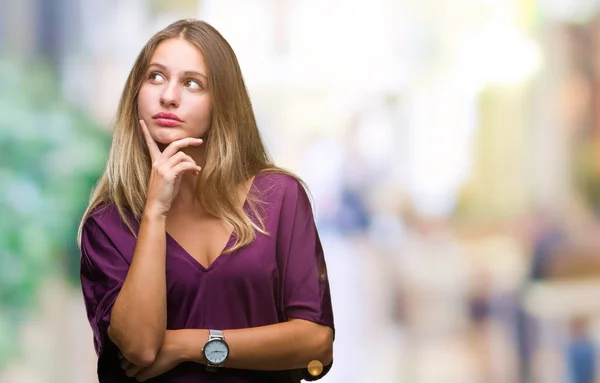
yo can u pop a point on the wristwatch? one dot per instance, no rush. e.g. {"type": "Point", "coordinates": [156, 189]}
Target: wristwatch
{"type": "Point", "coordinates": [215, 350]}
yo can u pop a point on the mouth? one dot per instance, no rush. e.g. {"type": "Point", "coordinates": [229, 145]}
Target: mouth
{"type": "Point", "coordinates": [167, 119]}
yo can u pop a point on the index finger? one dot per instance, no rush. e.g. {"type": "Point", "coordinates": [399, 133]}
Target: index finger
{"type": "Point", "coordinates": [152, 146]}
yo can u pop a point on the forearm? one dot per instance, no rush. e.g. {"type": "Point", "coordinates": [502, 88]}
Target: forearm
{"type": "Point", "coordinates": [281, 346]}
{"type": "Point", "coordinates": [138, 318]}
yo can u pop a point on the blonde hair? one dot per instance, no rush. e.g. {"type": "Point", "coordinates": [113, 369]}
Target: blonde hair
{"type": "Point", "coordinates": [234, 148]}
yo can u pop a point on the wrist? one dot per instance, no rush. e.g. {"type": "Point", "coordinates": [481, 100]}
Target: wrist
{"type": "Point", "coordinates": [174, 344]}
{"type": "Point", "coordinates": [152, 214]}
{"type": "Point", "coordinates": [193, 347]}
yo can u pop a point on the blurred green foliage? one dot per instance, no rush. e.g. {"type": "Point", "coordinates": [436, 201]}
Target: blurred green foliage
{"type": "Point", "coordinates": [51, 154]}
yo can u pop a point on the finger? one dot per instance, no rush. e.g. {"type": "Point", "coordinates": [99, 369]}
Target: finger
{"type": "Point", "coordinates": [144, 375]}
{"type": "Point", "coordinates": [125, 364]}
{"type": "Point", "coordinates": [178, 158]}
{"type": "Point", "coordinates": [152, 146]}
{"type": "Point", "coordinates": [133, 370]}
{"type": "Point", "coordinates": [166, 170]}
{"type": "Point", "coordinates": [176, 146]}
{"type": "Point", "coordinates": [186, 167]}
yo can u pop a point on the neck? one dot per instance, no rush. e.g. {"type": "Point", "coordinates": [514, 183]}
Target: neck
{"type": "Point", "coordinates": [187, 197]}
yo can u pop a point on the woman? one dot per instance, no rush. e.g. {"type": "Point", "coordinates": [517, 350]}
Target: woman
{"type": "Point", "coordinates": [200, 261]}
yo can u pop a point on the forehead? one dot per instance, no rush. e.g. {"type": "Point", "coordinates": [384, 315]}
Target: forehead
{"type": "Point", "coordinates": [179, 55]}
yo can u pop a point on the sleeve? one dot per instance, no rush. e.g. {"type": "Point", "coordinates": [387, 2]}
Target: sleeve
{"type": "Point", "coordinates": [305, 290]}
{"type": "Point", "coordinates": [103, 271]}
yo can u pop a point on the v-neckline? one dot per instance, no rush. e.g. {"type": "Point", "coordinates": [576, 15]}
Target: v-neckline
{"type": "Point", "coordinates": [197, 262]}
{"type": "Point", "coordinates": [227, 245]}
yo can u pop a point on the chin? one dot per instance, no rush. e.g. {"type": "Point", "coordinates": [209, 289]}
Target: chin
{"type": "Point", "coordinates": [167, 135]}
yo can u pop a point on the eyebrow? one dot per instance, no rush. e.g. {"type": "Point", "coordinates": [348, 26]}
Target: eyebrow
{"type": "Point", "coordinates": [186, 73]}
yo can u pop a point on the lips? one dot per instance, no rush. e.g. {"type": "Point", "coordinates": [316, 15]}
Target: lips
{"type": "Point", "coordinates": [167, 119]}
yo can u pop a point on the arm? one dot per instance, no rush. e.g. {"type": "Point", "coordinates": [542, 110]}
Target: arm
{"type": "Point", "coordinates": [138, 319]}
{"type": "Point", "coordinates": [283, 346]}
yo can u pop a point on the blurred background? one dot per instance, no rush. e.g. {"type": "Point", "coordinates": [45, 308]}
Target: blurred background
{"type": "Point", "coordinates": [452, 149]}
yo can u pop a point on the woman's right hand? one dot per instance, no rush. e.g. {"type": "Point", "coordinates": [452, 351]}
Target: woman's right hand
{"type": "Point", "coordinates": [168, 168]}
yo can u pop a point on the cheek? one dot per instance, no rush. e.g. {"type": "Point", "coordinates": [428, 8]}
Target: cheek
{"type": "Point", "coordinates": [144, 102]}
{"type": "Point", "coordinates": [202, 113]}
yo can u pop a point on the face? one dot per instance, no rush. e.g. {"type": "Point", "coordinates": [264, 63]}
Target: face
{"type": "Point", "coordinates": [174, 100]}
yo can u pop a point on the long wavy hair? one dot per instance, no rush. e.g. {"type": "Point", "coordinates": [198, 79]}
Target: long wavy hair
{"type": "Point", "coordinates": [234, 148]}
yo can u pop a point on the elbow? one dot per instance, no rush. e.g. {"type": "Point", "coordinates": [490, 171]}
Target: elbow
{"type": "Point", "coordinates": [141, 358]}
{"type": "Point", "coordinates": [326, 346]}
{"type": "Point", "coordinates": [139, 354]}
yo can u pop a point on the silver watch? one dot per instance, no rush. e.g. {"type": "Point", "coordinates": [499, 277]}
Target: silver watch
{"type": "Point", "coordinates": [215, 350]}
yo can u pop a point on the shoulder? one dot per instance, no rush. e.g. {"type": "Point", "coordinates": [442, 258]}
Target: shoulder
{"type": "Point", "coordinates": [106, 217]}
{"type": "Point", "coordinates": [104, 232]}
{"type": "Point", "coordinates": [284, 193]}
{"type": "Point", "coordinates": [280, 184]}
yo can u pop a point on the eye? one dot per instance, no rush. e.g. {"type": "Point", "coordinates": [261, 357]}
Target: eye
{"type": "Point", "coordinates": [156, 77]}
{"type": "Point", "coordinates": [193, 84]}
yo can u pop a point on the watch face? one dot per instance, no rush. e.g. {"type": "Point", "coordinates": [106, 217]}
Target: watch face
{"type": "Point", "coordinates": [216, 351]}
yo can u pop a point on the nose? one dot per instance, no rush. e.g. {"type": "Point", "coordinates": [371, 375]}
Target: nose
{"type": "Point", "coordinates": [170, 96]}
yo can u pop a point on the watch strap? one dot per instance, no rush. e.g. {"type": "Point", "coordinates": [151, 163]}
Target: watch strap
{"type": "Point", "coordinates": [215, 334]}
